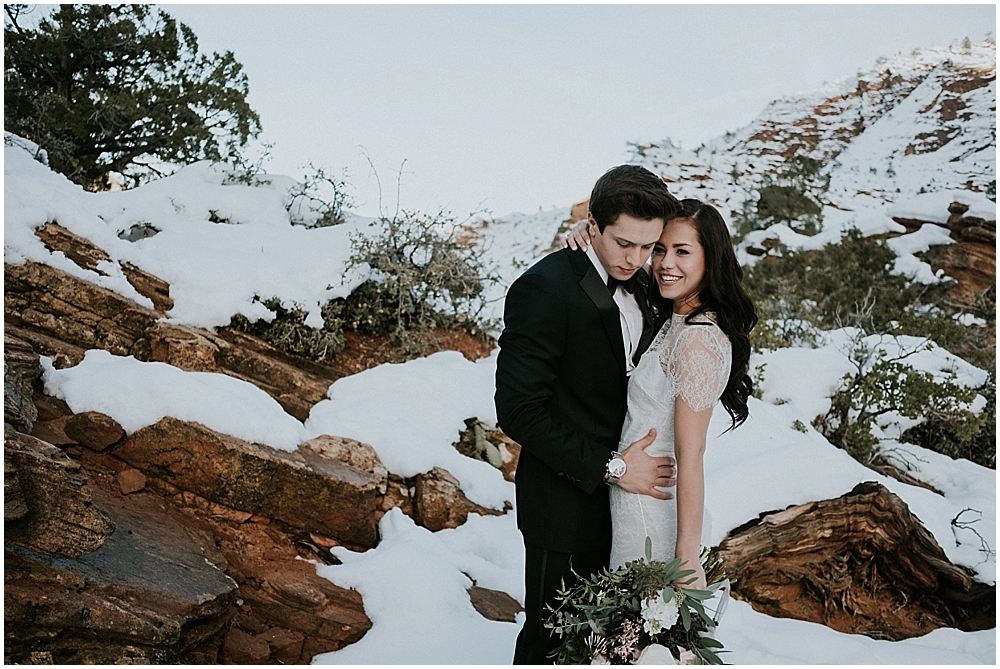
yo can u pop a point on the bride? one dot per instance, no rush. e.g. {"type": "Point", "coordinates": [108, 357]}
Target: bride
{"type": "Point", "coordinates": [700, 356]}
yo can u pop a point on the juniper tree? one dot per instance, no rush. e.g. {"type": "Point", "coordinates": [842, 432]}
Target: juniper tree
{"type": "Point", "coordinates": [123, 89]}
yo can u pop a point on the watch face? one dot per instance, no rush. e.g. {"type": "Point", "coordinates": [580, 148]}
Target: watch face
{"type": "Point", "coordinates": [616, 468]}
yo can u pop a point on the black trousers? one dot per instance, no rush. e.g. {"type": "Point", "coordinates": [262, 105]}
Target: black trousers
{"type": "Point", "coordinates": [544, 572]}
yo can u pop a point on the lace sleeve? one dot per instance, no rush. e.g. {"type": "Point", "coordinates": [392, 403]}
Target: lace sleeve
{"type": "Point", "coordinates": [700, 363]}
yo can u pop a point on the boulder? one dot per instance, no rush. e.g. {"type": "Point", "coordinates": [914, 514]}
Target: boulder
{"type": "Point", "coordinates": [304, 489]}
{"type": "Point", "coordinates": [130, 481]}
{"type": "Point", "coordinates": [356, 454]}
{"type": "Point", "coordinates": [285, 645]}
{"type": "Point", "coordinates": [494, 604]}
{"type": "Point", "coordinates": [242, 648]}
{"type": "Point", "coordinates": [60, 518]}
{"type": "Point", "coordinates": [439, 503]}
{"type": "Point", "coordinates": [94, 430]}
{"type": "Point", "coordinates": [284, 602]}
{"type": "Point", "coordinates": [150, 593]}
{"type": "Point", "coordinates": [861, 563]}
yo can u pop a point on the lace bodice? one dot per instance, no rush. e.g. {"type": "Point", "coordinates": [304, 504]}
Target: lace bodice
{"type": "Point", "coordinates": [686, 361]}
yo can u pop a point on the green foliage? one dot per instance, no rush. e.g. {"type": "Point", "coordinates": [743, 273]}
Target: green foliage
{"type": "Point", "coordinates": [956, 437]}
{"type": "Point", "coordinates": [602, 615]}
{"type": "Point", "coordinates": [845, 283]}
{"type": "Point", "coordinates": [789, 204]}
{"type": "Point", "coordinates": [882, 385]}
{"type": "Point", "coordinates": [289, 332]}
{"type": "Point", "coordinates": [424, 275]}
{"type": "Point", "coordinates": [123, 89]}
{"type": "Point", "coordinates": [320, 193]}
{"type": "Point", "coordinates": [792, 195]}
{"type": "Point", "coordinates": [766, 336]}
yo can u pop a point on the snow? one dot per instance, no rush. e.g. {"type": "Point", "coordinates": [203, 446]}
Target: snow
{"type": "Point", "coordinates": [220, 244]}
{"type": "Point", "coordinates": [411, 413]}
{"type": "Point", "coordinates": [414, 586]}
{"type": "Point", "coordinates": [933, 207]}
{"type": "Point", "coordinates": [214, 269]}
{"type": "Point", "coordinates": [137, 394]}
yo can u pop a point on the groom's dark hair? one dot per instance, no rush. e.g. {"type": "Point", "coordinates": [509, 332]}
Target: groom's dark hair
{"type": "Point", "coordinates": [632, 190]}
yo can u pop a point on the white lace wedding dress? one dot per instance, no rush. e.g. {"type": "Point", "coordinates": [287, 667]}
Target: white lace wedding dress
{"type": "Point", "coordinates": [689, 361]}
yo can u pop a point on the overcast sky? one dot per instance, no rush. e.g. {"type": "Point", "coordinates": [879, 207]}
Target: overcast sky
{"type": "Point", "coordinates": [518, 107]}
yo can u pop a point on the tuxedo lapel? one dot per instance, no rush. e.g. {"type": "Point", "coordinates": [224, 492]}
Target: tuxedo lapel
{"type": "Point", "coordinates": [598, 293]}
{"type": "Point", "coordinates": [649, 319]}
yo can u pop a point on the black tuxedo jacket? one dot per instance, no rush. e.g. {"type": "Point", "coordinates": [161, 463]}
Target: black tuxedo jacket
{"type": "Point", "coordinates": [561, 394]}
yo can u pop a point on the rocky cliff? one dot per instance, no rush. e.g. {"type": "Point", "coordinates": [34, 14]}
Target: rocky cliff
{"type": "Point", "coordinates": [178, 544]}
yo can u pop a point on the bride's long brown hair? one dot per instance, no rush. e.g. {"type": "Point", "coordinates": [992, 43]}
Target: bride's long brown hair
{"type": "Point", "coordinates": [722, 293]}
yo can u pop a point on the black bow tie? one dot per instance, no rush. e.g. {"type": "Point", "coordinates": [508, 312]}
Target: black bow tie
{"type": "Point", "coordinates": [627, 284]}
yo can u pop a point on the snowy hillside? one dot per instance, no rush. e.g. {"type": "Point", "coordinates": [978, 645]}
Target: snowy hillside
{"type": "Point", "coordinates": [930, 117]}
{"type": "Point", "coordinates": [914, 124]}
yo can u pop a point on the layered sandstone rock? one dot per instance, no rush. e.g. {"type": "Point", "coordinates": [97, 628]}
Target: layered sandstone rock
{"type": "Point", "coordinates": [20, 370]}
{"type": "Point", "coordinates": [303, 488]}
{"type": "Point", "coordinates": [972, 259]}
{"type": "Point", "coordinates": [860, 563]}
{"type": "Point", "coordinates": [89, 256]}
{"type": "Point", "coordinates": [61, 307]}
{"type": "Point", "coordinates": [150, 593]}
{"type": "Point", "coordinates": [54, 513]}
{"type": "Point", "coordinates": [296, 385]}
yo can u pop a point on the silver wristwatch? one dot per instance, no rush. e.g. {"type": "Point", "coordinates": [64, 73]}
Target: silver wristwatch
{"type": "Point", "coordinates": [616, 468]}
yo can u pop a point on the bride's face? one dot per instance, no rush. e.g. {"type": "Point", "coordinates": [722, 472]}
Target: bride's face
{"type": "Point", "coordinates": [678, 264]}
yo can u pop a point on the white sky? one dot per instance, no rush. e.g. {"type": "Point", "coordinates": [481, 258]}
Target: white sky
{"type": "Point", "coordinates": [523, 106]}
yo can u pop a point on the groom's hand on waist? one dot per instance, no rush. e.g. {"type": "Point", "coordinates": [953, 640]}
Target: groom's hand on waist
{"type": "Point", "coordinates": [644, 474]}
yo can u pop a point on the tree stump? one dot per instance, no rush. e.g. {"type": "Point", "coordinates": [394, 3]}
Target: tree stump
{"type": "Point", "coordinates": [860, 564]}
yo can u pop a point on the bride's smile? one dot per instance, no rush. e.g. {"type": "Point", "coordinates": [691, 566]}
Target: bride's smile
{"type": "Point", "coordinates": [678, 264]}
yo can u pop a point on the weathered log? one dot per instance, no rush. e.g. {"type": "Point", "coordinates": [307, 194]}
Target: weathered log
{"type": "Point", "coordinates": [861, 563]}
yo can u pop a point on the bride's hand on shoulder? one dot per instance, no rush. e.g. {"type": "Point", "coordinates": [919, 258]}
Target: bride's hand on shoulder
{"type": "Point", "coordinates": [578, 238]}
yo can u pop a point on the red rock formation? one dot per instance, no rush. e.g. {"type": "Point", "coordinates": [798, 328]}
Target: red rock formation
{"type": "Point", "coordinates": [861, 564]}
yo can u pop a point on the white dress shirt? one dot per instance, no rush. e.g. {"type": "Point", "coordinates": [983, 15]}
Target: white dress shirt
{"type": "Point", "coordinates": [628, 309]}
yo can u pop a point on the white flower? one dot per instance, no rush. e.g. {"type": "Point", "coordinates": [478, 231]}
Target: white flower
{"type": "Point", "coordinates": [659, 614]}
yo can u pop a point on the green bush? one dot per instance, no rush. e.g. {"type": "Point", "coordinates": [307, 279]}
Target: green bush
{"type": "Point", "coordinates": [288, 331]}
{"type": "Point", "coordinates": [881, 385]}
{"type": "Point", "coordinates": [845, 283]}
{"type": "Point", "coordinates": [792, 195]}
{"type": "Point", "coordinates": [956, 436]}
{"type": "Point", "coordinates": [424, 275]}
{"type": "Point", "coordinates": [121, 88]}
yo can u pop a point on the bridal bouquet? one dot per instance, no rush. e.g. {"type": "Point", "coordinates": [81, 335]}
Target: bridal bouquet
{"type": "Point", "coordinates": [637, 615]}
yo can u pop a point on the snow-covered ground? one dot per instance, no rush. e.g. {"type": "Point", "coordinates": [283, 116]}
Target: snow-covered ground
{"type": "Point", "coordinates": [414, 583]}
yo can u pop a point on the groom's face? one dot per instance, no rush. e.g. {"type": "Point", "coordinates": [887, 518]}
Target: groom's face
{"type": "Point", "coordinates": [625, 245]}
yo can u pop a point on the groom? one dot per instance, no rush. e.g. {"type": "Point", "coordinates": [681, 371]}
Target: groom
{"type": "Point", "coordinates": [576, 324]}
